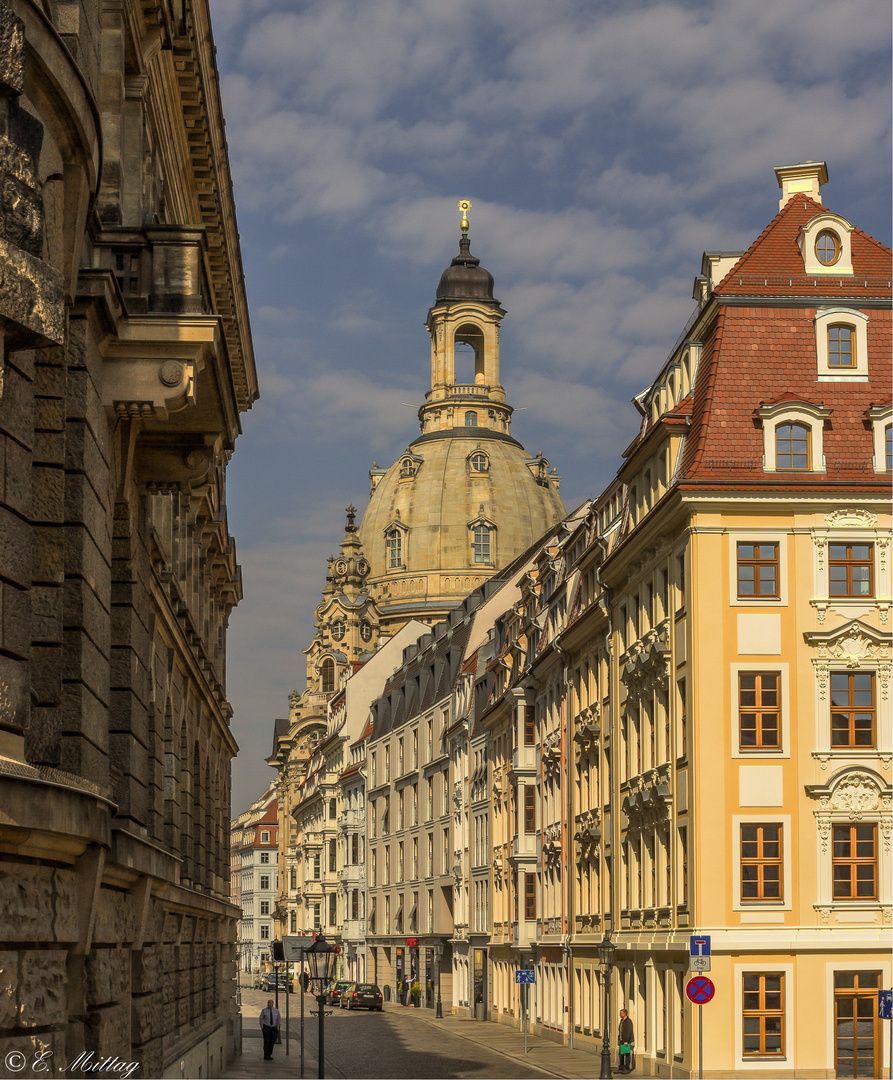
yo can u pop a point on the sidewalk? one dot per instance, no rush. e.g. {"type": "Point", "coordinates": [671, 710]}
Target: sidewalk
{"type": "Point", "coordinates": [551, 1058]}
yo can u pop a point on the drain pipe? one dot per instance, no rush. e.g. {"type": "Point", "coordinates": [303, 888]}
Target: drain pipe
{"type": "Point", "coordinates": [569, 881]}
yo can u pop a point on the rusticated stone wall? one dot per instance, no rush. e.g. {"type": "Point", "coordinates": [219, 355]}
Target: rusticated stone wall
{"type": "Point", "coordinates": [117, 571]}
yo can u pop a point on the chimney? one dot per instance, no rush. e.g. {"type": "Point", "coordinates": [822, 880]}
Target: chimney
{"type": "Point", "coordinates": [807, 178]}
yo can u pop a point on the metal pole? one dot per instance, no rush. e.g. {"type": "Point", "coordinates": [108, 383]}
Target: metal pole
{"type": "Point", "coordinates": [287, 1012]}
{"type": "Point", "coordinates": [321, 1002]}
{"type": "Point", "coordinates": [301, 984]}
{"type": "Point", "coordinates": [525, 1016]}
{"type": "Point", "coordinates": [605, 1072]}
{"type": "Point", "coordinates": [700, 1043]}
{"type": "Point", "coordinates": [438, 1012]}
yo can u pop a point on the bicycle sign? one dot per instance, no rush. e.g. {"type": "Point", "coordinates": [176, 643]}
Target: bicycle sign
{"type": "Point", "coordinates": [700, 990]}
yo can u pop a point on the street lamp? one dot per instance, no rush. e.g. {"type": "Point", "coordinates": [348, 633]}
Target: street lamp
{"type": "Point", "coordinates": [606, 956]}
{"type": "Point", "coordinates": [322, 964]}
{"type": "Point", "coordinates": [438, 955]}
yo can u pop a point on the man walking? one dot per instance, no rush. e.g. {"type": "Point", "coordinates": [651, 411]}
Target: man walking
{"type": "Point", "coordinates": [270, 1020]}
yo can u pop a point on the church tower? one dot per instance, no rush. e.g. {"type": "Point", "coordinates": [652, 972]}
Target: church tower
{"type": "Point", "coordinates": [465, 498]}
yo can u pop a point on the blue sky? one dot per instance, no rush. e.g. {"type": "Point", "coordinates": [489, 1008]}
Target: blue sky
{"type": "Point", "coordinates": [604, 146]}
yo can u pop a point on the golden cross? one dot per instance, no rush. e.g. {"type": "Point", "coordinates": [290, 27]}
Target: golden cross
{"type": "Point", "coordinates": [464, 206]}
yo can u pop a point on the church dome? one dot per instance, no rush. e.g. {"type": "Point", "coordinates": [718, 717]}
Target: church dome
{"type": "Point", "coordinates": [455, 507]}
{"type": "Point", "coordinates": [465, 278]}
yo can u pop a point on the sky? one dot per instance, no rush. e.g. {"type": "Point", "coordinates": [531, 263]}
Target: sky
{"type": "Point", "coordinates": [604, 145]}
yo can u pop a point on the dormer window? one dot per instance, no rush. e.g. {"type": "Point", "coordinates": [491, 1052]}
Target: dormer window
{"type": "Point", "coordinates": [827, 247]}
{"type": "Point", "coordinates": [407, 468]}
{"type": "Point", "coordinates": [841, 345]}
{"type": "Point", "coordinates": [792, 446]}
{"type": "Point", "coordinates": [792, 436]}
{"type": "Point", "coordinates": [824, 243]}
{"type": "Point", "coordinates": [882, 436]}
{"type": "Point", "coordinates": [395, 538]}
{"type": "Point", "coordinates": [479, 462]}
{"type": "Point", "coordinates": [481, 544]}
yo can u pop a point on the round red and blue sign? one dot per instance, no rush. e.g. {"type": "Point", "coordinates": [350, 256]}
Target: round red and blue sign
{"type": "Point", "coordinates": [700, 990]}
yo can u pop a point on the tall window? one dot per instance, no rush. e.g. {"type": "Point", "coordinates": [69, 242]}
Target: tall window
{"type": "Point", "coordinates": [763, 1015]}
{"type": "Point", "coordinates": [761, 862]}
{"type": "Point", "coordinates": [530, 896]}
{"type": "Point", "coordinates": [852, 708]}
{"type": "Point", "coordinates": [264, 881]}
{"type": "Point", "coordinates": [333, 909]}
{"type": "Point", "coordinates": [529, 725]}
{"type": "Point", "coordinates": [328, 675]}
{"type": "Point", "coordinates": [394, 540]}
{"type": "Point", "coordinates": [481, 544]}
{"type": "Point", "coordinates": [757, 570]}
{"type": "Point", "coordinates": [293, 878]}
{"type": "Point", "coordinates": [471, 419]}
{"type": "Point", "coordinates": [792, 446]}
{"type": "Point", "coordinates": [529, 808]}
{"type": "Point", "coordinates": [840, 347]}
{"type": "Point", "coordinates": [355, 848]}
{"type": "Point", "coordinates": [850, 569]}
{"type": "Point", "coordinates": [683, 863]}
{"type": "Point", "coordinates": [355, 904]}
{"type": "Point", "coordinates": [316, 868]}
{"type": "Point", "coordinates": [854, 862]}
{"type": "Point", "coordinates": [333, 857]}
{"type": "Point", "coordinates": [759, 716]}
{"type": "Point", "coordinates": [265, 856]}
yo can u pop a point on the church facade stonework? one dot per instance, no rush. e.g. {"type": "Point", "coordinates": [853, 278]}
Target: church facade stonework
{"type": "Point", "coordinates": [125, 361]}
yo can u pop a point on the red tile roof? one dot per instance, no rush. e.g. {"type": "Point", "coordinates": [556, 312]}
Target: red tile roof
{"type": "Point", "coordinates": [773, 265]}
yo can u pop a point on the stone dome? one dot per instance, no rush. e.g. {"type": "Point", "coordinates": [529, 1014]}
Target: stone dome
{"type": "Point", "coordinates": [444, 485]}
{"type": "Point", "coordinates": [465, 278]}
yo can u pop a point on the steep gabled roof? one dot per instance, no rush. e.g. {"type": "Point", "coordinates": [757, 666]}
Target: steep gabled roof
{"type": "Point", "coordinates": [773, 265]}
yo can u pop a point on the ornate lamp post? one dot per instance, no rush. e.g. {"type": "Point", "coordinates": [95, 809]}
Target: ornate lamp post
{"type": "Point", "coordinates": [322, 957]}
{"type": "Point", "coordinates": [606, 956]}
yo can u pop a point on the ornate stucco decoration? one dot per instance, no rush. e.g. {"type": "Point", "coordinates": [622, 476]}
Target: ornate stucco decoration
{"type": "Point", "coordinates": [588, 834]}
{"type": "Point", "coordinates": [586, 727]}
{"type": "Point", "coordinates": [551, 752]}
{"type": "Point", "coordinates": [658, 548]}
{"type": "Point", "coordinates": [850, 795]}
{"type": "Point", "coordinates": [647, 664]}
{"type": "Point", "coordinates": [853, 645]}
{"type": "Point", "coordinates": [848, 518]}
{"type": "Point", "coordinates": [552, 846]}
{"type": "Point", "coordinates": [648, 804]}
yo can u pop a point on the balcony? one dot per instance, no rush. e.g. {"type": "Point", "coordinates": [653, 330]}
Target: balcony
{"type": "Point", "coordinates": [524, 846]}
{"type": "Point", "coordinates": [524, 759]}
{"type": "Point", "coordinates": [353, 874]}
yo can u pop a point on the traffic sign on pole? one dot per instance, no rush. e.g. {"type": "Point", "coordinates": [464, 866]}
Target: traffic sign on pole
{"type": "Point", "coordinates": [699, 945]}
{"type": "Point", "coordinates": [700, 990]}
{"type": "Point", "coordinates": [885, 1004]}
{"type": "Point", "coordinates": [525, 975]}
{"type": "Point", "coordinates": [699, 963]}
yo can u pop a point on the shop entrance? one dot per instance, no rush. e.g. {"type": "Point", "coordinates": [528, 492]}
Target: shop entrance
{"type": "Point", "coordinates": [857, 1029]}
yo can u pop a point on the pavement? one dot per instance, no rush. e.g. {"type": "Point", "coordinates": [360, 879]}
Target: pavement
{"type": "Point", "coordinates": [551, 1058]}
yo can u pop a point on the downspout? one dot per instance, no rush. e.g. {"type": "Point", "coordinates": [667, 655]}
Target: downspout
{"type": "Point", "coordinates": [567, 837]}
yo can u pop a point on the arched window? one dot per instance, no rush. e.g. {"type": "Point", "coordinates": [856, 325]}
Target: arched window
{"type": "Point", "coordinates": [471, 419]}
{"type": "Point", "coordinates": [407, 467]}
{"type": "Point", "coordinates": [841, 352]}
{"type": "Point", "coordinates": [479, 462]}
{"type": "Point", "coordinates": [395, 548]}
{"type": "Point", "coordinates": [481, 543]}
{"type": "Point", "coordinates": [327, 672]}
{"type": "Point", "coordinates": [792, 446]}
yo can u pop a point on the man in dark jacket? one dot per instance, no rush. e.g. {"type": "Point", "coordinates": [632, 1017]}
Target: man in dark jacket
{"type": "Point", "coordinates": [625, 1042]}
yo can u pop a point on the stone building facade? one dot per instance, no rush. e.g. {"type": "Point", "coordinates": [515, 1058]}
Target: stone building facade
{"type": "Point", "coordinates": [254, 847]}
{"type": "Point", "coordinates": [126, 360]}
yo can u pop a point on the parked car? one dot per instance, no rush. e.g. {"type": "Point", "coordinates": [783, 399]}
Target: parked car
{"type": "Point", "coordinates": [333, 994]}
{"type": "Point", "coordinates": [269, 983]}
{"type": "Point", "coordinates": [361, 996]}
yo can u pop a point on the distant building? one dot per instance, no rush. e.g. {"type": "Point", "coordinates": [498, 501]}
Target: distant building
{"type": "Point", "coordinates": [254, 848]}
{"type": "Point", "coordinates": [125, 362]}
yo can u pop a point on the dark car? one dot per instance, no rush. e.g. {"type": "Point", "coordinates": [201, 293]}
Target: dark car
{"type": "Point", "coordinates": [333, 995]}
{"type": "Point", "coordinates": [269, 983]}
{"type": "Point", "coordinates": [361, 996]}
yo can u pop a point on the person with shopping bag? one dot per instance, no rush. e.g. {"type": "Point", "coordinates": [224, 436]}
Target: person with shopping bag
{"type": "Point", "coordinates": [625, 1042]}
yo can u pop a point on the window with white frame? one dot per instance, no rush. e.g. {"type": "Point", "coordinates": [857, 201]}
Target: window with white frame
{"type": "Point", "coordinates": [841, 344]}
{"type": "Point", "coordinates": [792, 436]}
{"type": "Point", "coordinates": [880, 417]}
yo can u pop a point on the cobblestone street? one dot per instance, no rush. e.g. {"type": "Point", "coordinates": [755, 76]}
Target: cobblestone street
{"type": "Point", "coordinates": [400, 1042]}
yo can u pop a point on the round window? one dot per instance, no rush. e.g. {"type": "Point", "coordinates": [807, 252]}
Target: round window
{"type": "Point", "coordinates": [827, 248]}
{"type": "Point", "coordinates": [338, 629]}
{"type": "Point", "coordinates": [479, 462]}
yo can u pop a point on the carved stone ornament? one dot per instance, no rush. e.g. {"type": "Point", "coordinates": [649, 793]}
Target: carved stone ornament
{"type": "Point", "coordinates": [821, 547]}
{"type": "Point", "coordinates": [854, 795]}
{"type": "Point", "coordinates": [843, 519]}
{"type": "Point", "coordinates": [824, 913]}
{"type": "Point", "coordinates": [883, 544]}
